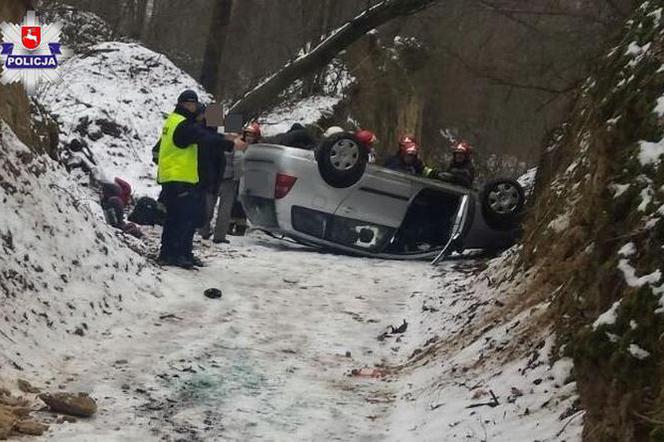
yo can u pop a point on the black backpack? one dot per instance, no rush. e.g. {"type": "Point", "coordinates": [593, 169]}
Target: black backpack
{"type": "Point", "coordinates": [148, 212]}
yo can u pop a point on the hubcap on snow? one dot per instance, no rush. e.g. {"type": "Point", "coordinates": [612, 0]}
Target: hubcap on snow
{"type": "Point", "coordinates": [344, 154]}
{"type": "Point", "coordinates": [504, 198]}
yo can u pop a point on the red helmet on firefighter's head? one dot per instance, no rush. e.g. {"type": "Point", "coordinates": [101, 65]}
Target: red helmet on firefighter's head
{"type": "Point", "coordinates": [366, 137]}
{"type": "Point", "coordinates": [406, 139]}
{"type": "Point", "coordinates": [463, 147]}
{"type": "Point", "coordinates": [253, 129]}
{"type": "Point", "coordinates": [408, 145]}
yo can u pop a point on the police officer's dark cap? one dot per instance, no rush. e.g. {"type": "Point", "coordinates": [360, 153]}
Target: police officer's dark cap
{"type": "Point", "coordinates": [188, 96]}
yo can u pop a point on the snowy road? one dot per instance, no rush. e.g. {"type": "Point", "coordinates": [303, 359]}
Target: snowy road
{"type": "Point", "coordinates": [269, 361]}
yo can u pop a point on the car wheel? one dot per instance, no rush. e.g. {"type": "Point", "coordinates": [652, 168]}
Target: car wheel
{"type": "Point", "coordinates": [341, 160]}
{"type": "Point", "coordinates": [502, 203]}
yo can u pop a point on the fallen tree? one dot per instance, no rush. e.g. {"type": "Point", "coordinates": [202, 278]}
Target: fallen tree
{"type": "Point", "coordinates": [266, 93]}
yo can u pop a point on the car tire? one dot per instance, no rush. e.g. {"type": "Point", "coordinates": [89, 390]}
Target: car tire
{"type": "Point", "coordinates": [502, 203]}
{"type": "Point", "coordinates": [341, 160]}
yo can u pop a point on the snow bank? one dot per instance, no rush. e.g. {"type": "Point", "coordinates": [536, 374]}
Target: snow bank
{"type": "Point", "coordinates": [483, 373]}
{"type": "Point", "coordinates": [527, 180]}
{"type": "Point", "coordinates": [609, 317]}
{"type": "Point", "coordinates": [116, 97]}
{"type": "Point", "coordinates": [650, 153]}
{"type": "Point", "coordinates": [64, 273]}
{"type": "Point", "coordinates": [637, 352]}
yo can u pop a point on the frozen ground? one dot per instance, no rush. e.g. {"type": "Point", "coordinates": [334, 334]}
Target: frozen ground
{"type": "Point", "coordinates": [272, 359]}
{"type": "Point", "coordinates": [266, 362]}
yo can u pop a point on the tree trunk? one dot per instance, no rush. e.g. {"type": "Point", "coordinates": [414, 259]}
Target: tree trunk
{"type": "Point", "coordinates": [268, 92]}
{"type": "Point", "coordinates": [214, 48]}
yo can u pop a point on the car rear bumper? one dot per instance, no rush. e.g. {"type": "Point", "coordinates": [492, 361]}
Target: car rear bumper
{"type": "Point", "coordinates": [261, 211]}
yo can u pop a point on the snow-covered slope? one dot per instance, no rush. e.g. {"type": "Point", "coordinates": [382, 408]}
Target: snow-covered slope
{"type": "Point", "coordinates": [483, 368]}
{"type": "Point", "coordinates": [596, 234]}
{"type": "Point", "coordinates": [116, 97]}
{"type": "Point", "coordinates": [64, 274]}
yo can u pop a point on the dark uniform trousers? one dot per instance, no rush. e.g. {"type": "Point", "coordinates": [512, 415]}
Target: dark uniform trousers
{"type": "Point", "coordinates": [183, 215]}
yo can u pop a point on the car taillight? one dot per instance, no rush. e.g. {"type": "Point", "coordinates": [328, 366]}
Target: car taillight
{"type": "Point", "coordinates": [283, 185]}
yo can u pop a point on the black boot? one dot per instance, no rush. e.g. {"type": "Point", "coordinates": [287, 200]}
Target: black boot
{"type": "Point", "coordinates": [183, 262]}
{"type": "Point", "coordinates": [197, 262]}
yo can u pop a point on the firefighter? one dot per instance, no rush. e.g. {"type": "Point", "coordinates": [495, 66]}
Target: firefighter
{"type": "Point", "coordinates": [460, 170]}
{"type": "Point", "coordinates": [407, 159]}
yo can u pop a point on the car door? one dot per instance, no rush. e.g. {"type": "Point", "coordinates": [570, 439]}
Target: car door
{"type": "Point", "coordinates": [381, 197]}
{"type": "Point", "coordinates": [374, 209]}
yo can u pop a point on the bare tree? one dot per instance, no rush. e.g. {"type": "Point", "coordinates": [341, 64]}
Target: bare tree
{"type": "Point", "coordinates": [214, 47]}
{"type": "Point", "coordinates": [268, 92]}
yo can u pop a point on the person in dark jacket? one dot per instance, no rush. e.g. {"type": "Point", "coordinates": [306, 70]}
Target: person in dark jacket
{"type": "Point", "coordinates": [238, 218]}
{"type": "Point", "coordinates": [407, 160]}
{"type": "Point", "coordinates": [461, 170]}
{"type": "Point", "coordinates": [178, 174]}
{"type": "Point", "coordinates": [211, 165]}
{"type": "Point", "coordinates": [297, 136]}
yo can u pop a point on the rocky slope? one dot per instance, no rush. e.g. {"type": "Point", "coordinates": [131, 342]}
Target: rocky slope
{"type": "Point", "coordinates": [595, 237]}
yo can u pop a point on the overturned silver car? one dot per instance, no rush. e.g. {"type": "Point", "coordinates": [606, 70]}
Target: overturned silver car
{"type": "Point", "coordinates": [332, 199]}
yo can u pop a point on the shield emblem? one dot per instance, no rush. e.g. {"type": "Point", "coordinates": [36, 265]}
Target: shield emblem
{"type": "Point", "coordinates": [31, 37]}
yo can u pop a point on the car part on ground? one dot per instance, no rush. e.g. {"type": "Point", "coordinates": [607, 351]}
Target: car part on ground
{"type": "Point", "coordinates": [212, 293]}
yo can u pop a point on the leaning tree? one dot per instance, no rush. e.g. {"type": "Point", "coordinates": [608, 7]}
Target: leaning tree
{"type": "Point", "coordinates": [266, 93]}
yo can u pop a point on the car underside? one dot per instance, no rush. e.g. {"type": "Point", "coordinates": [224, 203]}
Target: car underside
{"type": "Point", "coordinates": [379, 212]}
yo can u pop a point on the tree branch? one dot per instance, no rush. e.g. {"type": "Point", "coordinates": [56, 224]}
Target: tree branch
{"type": "Point", "coordinates": [268, 92]}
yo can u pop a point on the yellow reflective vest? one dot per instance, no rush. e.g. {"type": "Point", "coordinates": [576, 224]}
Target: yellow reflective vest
{"type": "Point", "coordinates": [176, 164]}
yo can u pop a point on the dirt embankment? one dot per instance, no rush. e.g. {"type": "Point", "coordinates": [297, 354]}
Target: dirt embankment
{"type": "Point", "coordinates": [595, 236]}
{"type": "Point", "coordinates": [15, 106]}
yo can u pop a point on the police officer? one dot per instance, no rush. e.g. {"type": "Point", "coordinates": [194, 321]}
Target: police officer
{"type": "Point", "coordinates": [179, 178]}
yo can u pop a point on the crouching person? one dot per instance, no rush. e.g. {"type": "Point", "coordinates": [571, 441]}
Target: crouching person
{"type": "Point", "coordinates": [115, 197]}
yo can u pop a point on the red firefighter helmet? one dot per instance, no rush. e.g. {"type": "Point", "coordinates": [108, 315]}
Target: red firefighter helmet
{"type": "Point", "coordinates": [408, 145]}
{"type": "Point", "coordinates": [253, 129]}
{"type": "Point", "coordinates": [463, 147]}
{"type": "Point", "coordinates": [366, 137]}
